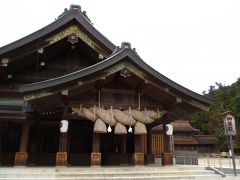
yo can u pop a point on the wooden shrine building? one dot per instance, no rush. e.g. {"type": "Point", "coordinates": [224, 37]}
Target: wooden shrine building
{"type": "Point", "coordinates": [106, 98]}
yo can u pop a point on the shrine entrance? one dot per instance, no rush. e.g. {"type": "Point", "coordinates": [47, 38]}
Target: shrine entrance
{"type": "Point", "coordinates": [80, 142]}
{"type": "Point", "coordinates": [117, 149]}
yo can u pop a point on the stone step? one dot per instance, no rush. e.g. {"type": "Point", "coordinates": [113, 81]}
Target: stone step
{"type": "Point", "coordinates": [105, 168]}
{"type": "Point", "coordinates": [130, 168]}
{"type": "Point", "coordinates": [99, 169]}
{"type": "Point", "coordinates": [131, 173]}
{"type": "Point", "coordinates": [114, 173]}
{"type": "Point", "coordinates": [213, 176]}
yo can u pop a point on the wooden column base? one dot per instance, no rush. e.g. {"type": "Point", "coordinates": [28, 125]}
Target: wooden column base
{"type": "Point", "coordinates": [21, 158]}
{"type": "Point", "coordinates": [96, 159]}
{"type": "Point", "coordinates": [138, 159]}
{"type": "Point", "coordinates": [61, 159]}
{"type": "Point", "coordinates": [167, 159]}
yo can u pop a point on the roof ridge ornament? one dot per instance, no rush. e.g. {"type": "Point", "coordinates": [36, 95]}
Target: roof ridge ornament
{"type": "Point", "coordinates": [74, 7]}
{"type": "Point", "coordinates": [127, 45]}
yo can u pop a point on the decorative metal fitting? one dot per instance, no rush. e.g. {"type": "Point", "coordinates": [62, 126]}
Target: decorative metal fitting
{"type": "Point", "coordinates": [5, 62]}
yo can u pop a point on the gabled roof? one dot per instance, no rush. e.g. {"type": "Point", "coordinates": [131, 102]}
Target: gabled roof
{"type": "Point", "coordinates": [74, 13]}
{"type": "Point", "coordinates": [183, 126]}
{"type": "Point", "coordinates": [205, 139]}
{"type": "Point", "coordinates": [179, 126]}
{"type": "Point", "coordinates": [123, 54]}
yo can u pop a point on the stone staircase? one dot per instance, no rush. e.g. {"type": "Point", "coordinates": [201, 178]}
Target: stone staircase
{"type": "Point", "coordinates": [107, 173]}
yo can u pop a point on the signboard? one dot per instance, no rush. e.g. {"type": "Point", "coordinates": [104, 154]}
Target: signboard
{"type": "Point", "coordinates": [230, 130]}
{"type": "Point", "coordinates": [229, 124]}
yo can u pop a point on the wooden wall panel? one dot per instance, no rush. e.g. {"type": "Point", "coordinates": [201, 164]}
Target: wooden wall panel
{"type": "Point", "coordinates": [157, 144]}
{"type": "Point", "coordinates": [144, 143]}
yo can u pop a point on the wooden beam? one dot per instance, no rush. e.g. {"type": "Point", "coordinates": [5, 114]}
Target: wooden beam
{"type": "Point", "coordinates": [99, 84]}
{"type": "Point", "coordinates": [142, 86]}
{"type": "Point", "coordinates": [172, 103]}
{"type": "Point", "coordinates": [118, 91]}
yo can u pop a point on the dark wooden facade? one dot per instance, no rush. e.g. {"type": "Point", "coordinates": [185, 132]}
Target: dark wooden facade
{"type": "Point", "coordinates": [69, 63]}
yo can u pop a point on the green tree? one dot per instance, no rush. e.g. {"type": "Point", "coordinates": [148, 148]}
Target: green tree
{"type": "Point", "coordinates": [211, 123]}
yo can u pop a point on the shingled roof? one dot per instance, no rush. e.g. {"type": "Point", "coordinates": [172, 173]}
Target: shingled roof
{"type": "Point", "coordinates": [205, 139]}
{"type": "Point", "coordinates": [179, 126]}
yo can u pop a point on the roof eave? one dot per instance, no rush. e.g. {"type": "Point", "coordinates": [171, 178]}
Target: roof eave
{"type": "Point", "coordinates": [68, 17]}
{"type": "Point", "coordinates": [125, 52]}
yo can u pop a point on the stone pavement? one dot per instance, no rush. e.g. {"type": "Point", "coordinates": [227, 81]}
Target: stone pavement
{"type": "Point", "coordinates": [125, 172]}
{"type": "Point", "coordinates": [222, 164]}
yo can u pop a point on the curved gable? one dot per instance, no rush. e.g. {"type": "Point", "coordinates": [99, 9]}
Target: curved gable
{"type": "Point", "coordinates": [74, 14]}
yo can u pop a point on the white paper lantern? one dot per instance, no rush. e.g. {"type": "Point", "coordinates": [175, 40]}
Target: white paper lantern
{"type": "Point", "coordinates": [64, 126]}
{"type": "Point", "coordinates": [169, 129]}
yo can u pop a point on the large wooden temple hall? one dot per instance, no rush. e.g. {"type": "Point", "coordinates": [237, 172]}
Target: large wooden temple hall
{"type": "Point", "coordinates": [70, 97]}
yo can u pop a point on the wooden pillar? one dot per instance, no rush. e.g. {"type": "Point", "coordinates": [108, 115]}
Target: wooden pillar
{"type": "Point", "coordinates": [167, 155]}
{"type": "Point", "coordinates": [149, 141]}
{"type": "Point", "coordinates": [4, 129]}
{"type": "Point", "coordinates": [150, 157]}
{"type": "Point", "coordinates": [138, 156]}
{"type": "Point", "coordinates": [21, 157]}
{"type": "Point", "coordinates": [1, 135]}
{"type": "Point", "coordinates": [61, 156]}
{"type": "Point", "coordinates": [123, 144]}
{"type": "Point", "coordinates": [35, 140]}
{"type": "Point", "coordinates": [96, 154]}
{"type": "Point", "coordinates": [1, 147]}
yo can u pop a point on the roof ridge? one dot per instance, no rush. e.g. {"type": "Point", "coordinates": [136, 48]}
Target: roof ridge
{"type": "Point", "coordinates": [125, 45]}
{"type": "Point", "coordinates": [74, 7]}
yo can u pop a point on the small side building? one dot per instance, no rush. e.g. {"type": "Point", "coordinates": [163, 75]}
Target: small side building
{"type": "Point", "coordinates": [185, 138]}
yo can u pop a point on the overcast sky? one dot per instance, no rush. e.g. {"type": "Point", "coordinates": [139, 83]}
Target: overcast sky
{"type": "Point", "coordinates": [193, 42]}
